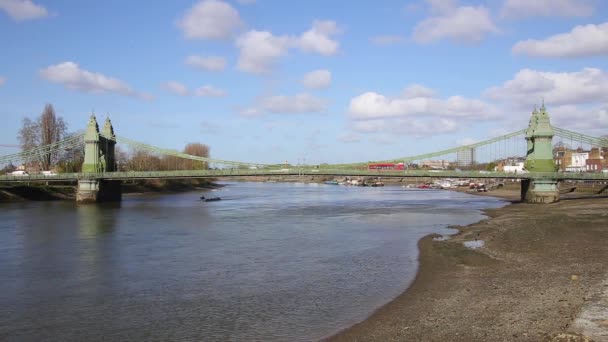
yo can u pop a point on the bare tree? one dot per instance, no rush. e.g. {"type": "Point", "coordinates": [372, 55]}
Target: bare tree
{"type": "Point", "coordinates": [122, 158]}
{"type": "Point", "coordinates": [199, 150]}
{"type": "Point", "coordinates": [47, 129]}
{"type": "Point", "coordinates": [142, 160]}
{"type": "Point", "coordinates": [171, 163]}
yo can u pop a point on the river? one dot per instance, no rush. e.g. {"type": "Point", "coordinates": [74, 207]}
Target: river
{"type": "Point", "coordinates": [269, 262]}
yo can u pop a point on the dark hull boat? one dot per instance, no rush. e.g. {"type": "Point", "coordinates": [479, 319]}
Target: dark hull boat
{"type": "Point", "coordinates": [212, 199]}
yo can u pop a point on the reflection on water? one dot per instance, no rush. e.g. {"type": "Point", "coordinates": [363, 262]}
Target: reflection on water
{"type": "Point", "coordinates": [270, 262]}
{"type": "Point", "coordinates": [97, 219]}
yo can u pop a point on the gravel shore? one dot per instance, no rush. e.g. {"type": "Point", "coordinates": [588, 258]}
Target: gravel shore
{"type": "Point", "coordinates": [538, 269]}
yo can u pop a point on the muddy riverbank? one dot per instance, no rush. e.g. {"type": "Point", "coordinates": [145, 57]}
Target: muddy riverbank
{"type": "Point", "coordinates": [538, 266]}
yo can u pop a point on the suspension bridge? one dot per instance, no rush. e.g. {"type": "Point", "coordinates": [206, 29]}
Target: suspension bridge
{"type": "Point", "coordinates": [101, 176]}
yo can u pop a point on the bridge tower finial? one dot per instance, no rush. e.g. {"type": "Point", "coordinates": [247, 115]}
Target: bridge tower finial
{"type": "Point", "coordinates": [92, 126]}
{"type": "Point", "coordinates": [108, 129]}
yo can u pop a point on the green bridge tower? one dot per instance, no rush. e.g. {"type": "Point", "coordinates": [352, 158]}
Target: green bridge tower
{"type": "Point", "coordinates": [99, 157]}
{"type": "Point", "coordinates": [539, 159]}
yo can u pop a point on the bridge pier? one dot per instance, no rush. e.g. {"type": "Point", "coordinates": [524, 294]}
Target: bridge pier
{"type": "Point", "coordinates": [539, 191]}
{"type": "Point", "coordinates": [98, 190]}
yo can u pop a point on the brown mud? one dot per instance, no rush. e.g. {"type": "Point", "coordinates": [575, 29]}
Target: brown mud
{"type": "Point", "coordinates": [540, 264]}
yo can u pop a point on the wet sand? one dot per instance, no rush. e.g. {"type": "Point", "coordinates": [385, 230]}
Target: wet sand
{"type": "Point", "coordinates": [539, 266]}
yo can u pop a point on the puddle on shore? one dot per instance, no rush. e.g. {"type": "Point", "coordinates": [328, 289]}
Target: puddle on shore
{"type": "Point", "coordinates": [441, 238]}
{"type": "Point", "coordinates": [474, 244]}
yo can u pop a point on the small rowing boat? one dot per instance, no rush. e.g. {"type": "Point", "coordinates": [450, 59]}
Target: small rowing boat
{"type": "Point", "coordinates": [211, 199]}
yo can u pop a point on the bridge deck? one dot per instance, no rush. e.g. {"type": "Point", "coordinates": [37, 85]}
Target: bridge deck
{"type": "Point", "coordinates": [599, 176]}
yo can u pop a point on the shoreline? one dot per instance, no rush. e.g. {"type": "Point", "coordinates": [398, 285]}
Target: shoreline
{"type": "Point", "coordinates": [529, 282]}
{"type": "Point", "coordinates": [63, 192]}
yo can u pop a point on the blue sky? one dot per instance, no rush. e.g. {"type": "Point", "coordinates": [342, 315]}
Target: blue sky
{"type": "Point", "coordinates": [320, 81]}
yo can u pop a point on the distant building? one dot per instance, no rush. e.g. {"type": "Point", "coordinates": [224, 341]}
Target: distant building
{"type": "Point", "coordinates": [465, 157]}
{"type": "Point", "coordinates": [511, 165]}
{"type": "Point", "coordinates": [517, 168]}
{"type": "Point", "coordinates": [595, 161]}
{"type": "Point", "coordinates": [561, 157]}
{"type": "Point", "coordinates": [435, 164]}
{"type": "Point", "coordinates": [579, 160]}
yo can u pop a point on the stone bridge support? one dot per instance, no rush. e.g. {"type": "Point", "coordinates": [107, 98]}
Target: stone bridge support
{"type": "Point", "coordinates": [99, 157]}
{"type": "Point", "coordinates": [98, 190]}
{"type": "Point", "coordinates": [539, 191]}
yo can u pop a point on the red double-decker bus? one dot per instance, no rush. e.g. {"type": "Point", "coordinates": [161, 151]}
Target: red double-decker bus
{"type": "Point", "coordinates": [386, 166]}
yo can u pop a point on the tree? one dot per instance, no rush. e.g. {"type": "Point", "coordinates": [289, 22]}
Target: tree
{"type": "Point", "coordinates": [122, 158]}
{"type": "Point", "coordinates": [47, 129]}
{"type": "Point", "coordinates": [199, 150]}
{"type": "Point", "coordinates": [491, 166]}
{"type": "Point", "coordinates": [142, 160]}
{"type": "Point", "coordinates": [8, 168]}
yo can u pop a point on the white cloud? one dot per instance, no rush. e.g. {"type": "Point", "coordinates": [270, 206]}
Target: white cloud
{"type": "Point", "coordinates": [442, 6]}
{"type": "Point", "coordinates": [209, 91]}
{"type": "Point", "coordinates": [318, 39]}
{"type": "Point", "coordinates": [210, 19]}
{"type": "Point", "coordinates": [415, 127]}
{"type": "Point", "coordinates": [204, 91]}
{"type": "Point", "coordinates": [386, 40]}
{"type": "Point", "coordinates": [73, 77]}
{"type": "Point", "coordinates": [318, 79]}
{"type": "Point", "coordinates": [300, 103]}
{"type": "Point", "coordinates": [23, 9]}
{"type": "Point", "coordinates": [371, 105]}
{"type": "Point", "coordinates": [260, 50]}
{"type": "Point", "coordinates": [589, 85]}
{"type": "Point", "coordinates": [582, 41]}
{"type": "Point", "coordinates": [176, 88]}
{"type": "Point", "coordinates": [209, 63]}
{"type": "Point", "coordinates": [588, 119]}
{"type": "Point", "coordinates": [2, 80]}
{"type": "Point", "coordinates": [282, 104]}
{"type": "Point", "coordinates": [514, 9]}
{"type": "Point", "coordinates": [462, 24]}
{"type": "Point", "coordinates": [417, 111]}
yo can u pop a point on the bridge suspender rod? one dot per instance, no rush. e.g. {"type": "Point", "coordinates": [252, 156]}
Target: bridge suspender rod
{"type": "Point", "coordinates": [45, 149]}
{"type": "Point", "coordinates": [443, 152]}
{"type": "Point", "coordinates": [29, 156]}
{"type": "Point", "coordinates": [182, 155]}
{"type": "Point", "coordinates": [566, 134]}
